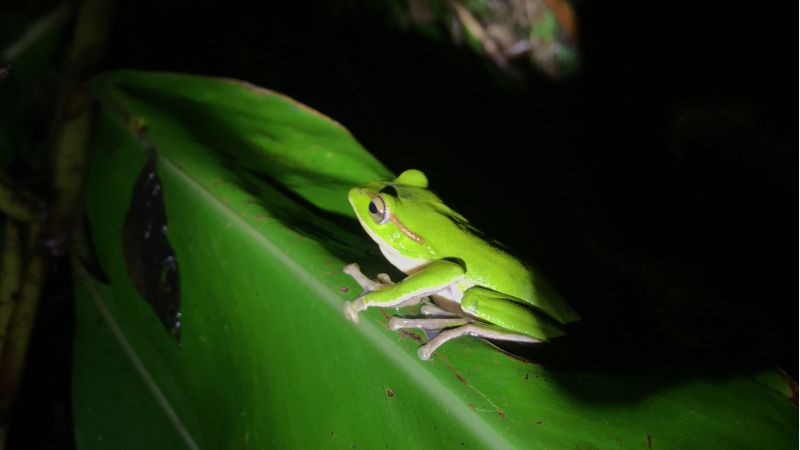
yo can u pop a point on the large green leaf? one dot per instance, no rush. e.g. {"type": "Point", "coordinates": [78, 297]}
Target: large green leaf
{"type": "Point", "coordinates": [254, 190]}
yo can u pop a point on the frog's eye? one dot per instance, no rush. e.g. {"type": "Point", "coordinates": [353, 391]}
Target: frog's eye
{"type": "Point", "coordinates": [378, 210]}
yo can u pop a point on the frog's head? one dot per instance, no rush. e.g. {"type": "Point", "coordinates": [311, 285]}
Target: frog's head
{"type": "Point", "coordinates": [404, 218]}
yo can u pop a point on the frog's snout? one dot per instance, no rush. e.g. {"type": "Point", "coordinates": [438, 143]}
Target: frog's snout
{"type": "Point", "coordinates": [353, 194]}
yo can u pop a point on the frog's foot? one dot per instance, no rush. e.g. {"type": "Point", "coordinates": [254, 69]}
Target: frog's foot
{"type": "Point", "coordinates": [397, 323]}
{"type": "Point", "coordinates": [471, 329]}
{"type": "Point", "coordinates": [351, 309]}
{"type": "Point", "coordinates": [365, 282]}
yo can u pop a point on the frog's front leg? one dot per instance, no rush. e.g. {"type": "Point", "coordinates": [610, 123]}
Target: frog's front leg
{"type": "Point", "coordinates": [436, 276]}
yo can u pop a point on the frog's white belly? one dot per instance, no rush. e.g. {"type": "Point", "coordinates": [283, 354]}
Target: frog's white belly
{"type": "Point", "coordinates": [408, 266]}
{"type": "Point", "coordinates": [403, 263]}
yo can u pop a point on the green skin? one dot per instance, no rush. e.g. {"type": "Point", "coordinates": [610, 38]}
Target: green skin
{"type": "Point", "coordinates": [478, 289]}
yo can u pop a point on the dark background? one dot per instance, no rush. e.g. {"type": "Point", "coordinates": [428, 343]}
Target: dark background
{"type": "Point", "coordinates": [657, 188]}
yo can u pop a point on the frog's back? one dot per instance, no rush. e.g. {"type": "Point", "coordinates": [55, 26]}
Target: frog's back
{"type": "Point", "coordinates": [487, 264]}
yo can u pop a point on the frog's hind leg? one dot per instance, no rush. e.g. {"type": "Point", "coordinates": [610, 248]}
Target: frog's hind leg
{"type": "Point", "coordinates": [435, 318]}
{"type": "Point", "coordinates": [506, 320]}
{"type": "Point", "coordinates": [429, 323]}
{"type": "Point", "coordinates": [471, 329]}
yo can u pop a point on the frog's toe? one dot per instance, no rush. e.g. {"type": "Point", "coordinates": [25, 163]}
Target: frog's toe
{"type": "Point", "coordinates": [396, 323]}
{"type": "Point", "coordinates": [351, 311]}
{"type": "Point", "coordinates": [354, 271]}
{"type": "Point", "coordinates": [424, 353]}
{"type": "Point", "coordinates": [352, 267]}
{"type": "Point", "coordinates": [384, 278]}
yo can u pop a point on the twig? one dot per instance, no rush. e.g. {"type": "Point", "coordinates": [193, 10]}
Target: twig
{"type": "Point", "coordinates": [9, 276]}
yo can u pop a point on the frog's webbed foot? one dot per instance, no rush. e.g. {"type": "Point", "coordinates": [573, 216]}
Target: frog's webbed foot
{"type": "Point", "coordinates": [351, 309]}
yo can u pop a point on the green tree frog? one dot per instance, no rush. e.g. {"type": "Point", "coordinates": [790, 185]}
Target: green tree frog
{"type": "Point", "coordinates": [467, 284]}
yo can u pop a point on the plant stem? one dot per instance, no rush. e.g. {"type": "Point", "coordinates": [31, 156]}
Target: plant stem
{"type": "Point", "coordinates": [9, 277]}
{"type": "Point", "coordinates": [71, 133]}
{"type": "Point", "coordinates": [19, 335]}
{"type": "Point", "coordinates": [16, 205]}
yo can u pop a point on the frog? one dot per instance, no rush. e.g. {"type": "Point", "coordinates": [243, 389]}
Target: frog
{"type": "Point", "coordinates": [464, 283]}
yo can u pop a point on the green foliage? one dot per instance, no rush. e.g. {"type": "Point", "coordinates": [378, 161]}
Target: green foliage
{"type": "Point", "coordinates": [254, 187]}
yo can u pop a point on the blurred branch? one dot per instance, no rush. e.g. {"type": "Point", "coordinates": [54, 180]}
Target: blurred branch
{"type": "Point", "coordinates": [73, 120]}
{"type": "Point", "coordinates": [9, 276]}
{"type": "Point", "coordinates": [71, 131]}
{"type": "Point", "coordinates": [19, 330]}
{"type": "Point", "coordinates": [15, 204]}
{"type": "Point", "coordinates": [39, 28]}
